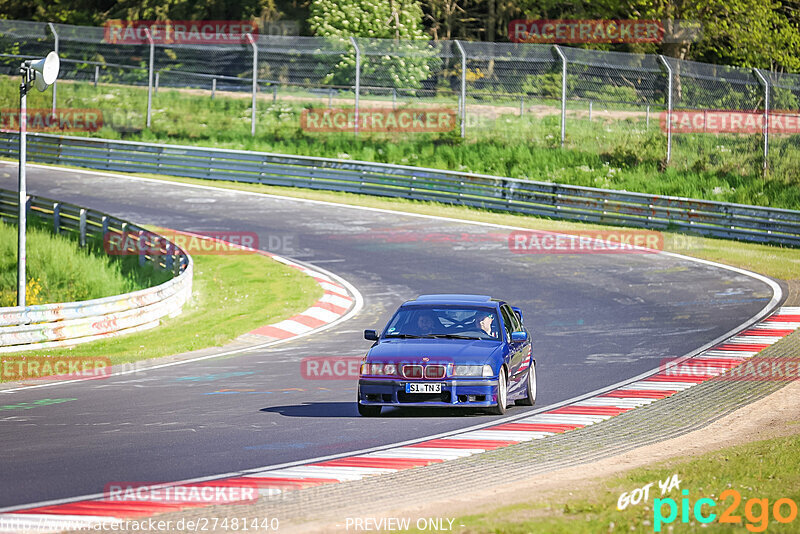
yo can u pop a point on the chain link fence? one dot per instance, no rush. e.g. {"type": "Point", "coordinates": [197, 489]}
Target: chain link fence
{"type": "Point", "coordinates": [629, 107]}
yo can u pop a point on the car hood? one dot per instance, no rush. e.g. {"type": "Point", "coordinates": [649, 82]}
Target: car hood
{"type": "Point", "coordinates": [461, 351]}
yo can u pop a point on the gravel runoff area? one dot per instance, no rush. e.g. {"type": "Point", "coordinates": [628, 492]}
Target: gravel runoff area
{"type": "Point", "coordinates": [711, 415]}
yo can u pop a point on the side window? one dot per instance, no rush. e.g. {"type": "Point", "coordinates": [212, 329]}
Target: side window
{"type": "Point", "coordinates": [508, 321]}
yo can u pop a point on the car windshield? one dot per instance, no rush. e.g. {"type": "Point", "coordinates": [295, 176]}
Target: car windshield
{"type": "Point", "coordinates": [445, 322]}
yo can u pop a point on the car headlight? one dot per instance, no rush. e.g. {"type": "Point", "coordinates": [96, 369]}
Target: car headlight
{"type": "Point", "coordinates": [474, 370]}
{"type": "Point", "coordinates": [378, 369]}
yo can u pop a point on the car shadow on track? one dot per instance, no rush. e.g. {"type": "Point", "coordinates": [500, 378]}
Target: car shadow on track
{"type": "Point", "coordinates": [349, 409]}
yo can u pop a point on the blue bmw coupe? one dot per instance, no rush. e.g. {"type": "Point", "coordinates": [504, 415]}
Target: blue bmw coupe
{"type": "Point", "coordinates": [468, 351]}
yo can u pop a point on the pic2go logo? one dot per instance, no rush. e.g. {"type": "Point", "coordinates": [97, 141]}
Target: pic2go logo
{"type": "Point", "coordinates": [756, 511]}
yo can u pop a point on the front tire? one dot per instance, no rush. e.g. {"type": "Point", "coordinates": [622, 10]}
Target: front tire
{"type": "Point", "coordinates": [368, 410]}
{"type": "Point", "coordinates": [502, 394]}
{"type": "Point", "coordinates": [530, 387]}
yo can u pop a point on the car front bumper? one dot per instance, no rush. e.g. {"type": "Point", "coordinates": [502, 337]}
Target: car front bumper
{"type": "Point", "coordinates": [455, 393]}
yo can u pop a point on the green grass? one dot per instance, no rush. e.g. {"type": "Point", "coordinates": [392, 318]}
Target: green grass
{"type": "Point", "coordinates": [60, 271]}
{"type": "Point", "coordinates": [616, 153]}
{"type": "Point", "coordinates": [231, 295]}
{"type": "Point", "coordinates": [767, 469]}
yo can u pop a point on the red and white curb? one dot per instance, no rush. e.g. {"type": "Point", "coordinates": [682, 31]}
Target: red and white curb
{"type": "Point", "coordinates": [336, 301]}
{"type": "Point", "coordinates": [715, 361]}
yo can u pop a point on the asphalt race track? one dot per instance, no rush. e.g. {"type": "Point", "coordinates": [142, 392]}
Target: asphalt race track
{"type": "Point", "coordinates": [597, 319]}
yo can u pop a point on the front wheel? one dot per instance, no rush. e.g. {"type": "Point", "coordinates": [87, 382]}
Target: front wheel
{"type": "Point", "coordinates": [502, 395]}
{"type": "Point", "coordinates": [368, 410]}
{"type": "Point", "coordinates": [530, 387]}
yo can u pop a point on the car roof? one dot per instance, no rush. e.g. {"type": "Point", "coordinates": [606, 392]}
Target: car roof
{"type": "Point", "coordinates": [455, 298]}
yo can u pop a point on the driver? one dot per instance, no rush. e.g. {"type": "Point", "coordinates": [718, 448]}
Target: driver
{"type": "Point", "coordinates": [426, 323]}
{"type": "Point", "coordinates": [484, 320]}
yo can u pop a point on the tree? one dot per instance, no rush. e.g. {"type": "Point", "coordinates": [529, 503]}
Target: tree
{"type": "Point", "coordinates": [404, 63]}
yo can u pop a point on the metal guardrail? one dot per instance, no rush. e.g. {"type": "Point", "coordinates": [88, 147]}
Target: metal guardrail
{"type": "Point", "coordinates": [55, 325]}
{"type": "Point", "coordinates": [587, 204]}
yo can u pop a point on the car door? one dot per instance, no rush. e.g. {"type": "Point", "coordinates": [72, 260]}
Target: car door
{"type": "Point", "coordinates": [516, 350]}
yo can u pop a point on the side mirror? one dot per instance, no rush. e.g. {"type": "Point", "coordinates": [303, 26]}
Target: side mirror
{"type": "Point", "coordinates": [519, 337]}
{"type": "Point", "coordinates": [370, 335]}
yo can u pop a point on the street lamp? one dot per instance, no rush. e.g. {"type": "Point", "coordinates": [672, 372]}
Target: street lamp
{"type": "Point", "coordinates": [41, 73]}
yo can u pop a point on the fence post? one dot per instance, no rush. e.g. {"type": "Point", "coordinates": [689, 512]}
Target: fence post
{"type": "Point", "coordinates": [82, 227]}
{"type": "Point", "coordinates": [665, 63]}
{"type": "Point", "coordinates": [56, 217]}
{"type": "Point", "coordinates": [765, 128]}
{"type": "Point", "coordinates": [590, 111]}
{"type": "Point", "coordinates": [358, 77]}
{"type": "Point", "coordinates": [462, 102]}
{"type": "Point", "coordinates": [255, 83]}
{"type": "Point", "coordinates": [55, 48]}
{"type": "Point", "coordinates": [563, 92]}
{"type": "Point", "coordinates": [96, 74]}
{"type": "Point", "coordinates": [155, 87]}
{"type": "Point", "coordinates": [213, 87]}
{"type": "Point", "coordinates": [150, 74]}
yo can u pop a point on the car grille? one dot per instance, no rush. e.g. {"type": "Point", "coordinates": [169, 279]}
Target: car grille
{"type": "Point", "coordinates": [428, 371]}
{"type": "Point", "coordinates": [412, 371]}
{"type": "Point", "coordinates": [434, 371]}
{"type": "Point", "coordinates": [444, 396]}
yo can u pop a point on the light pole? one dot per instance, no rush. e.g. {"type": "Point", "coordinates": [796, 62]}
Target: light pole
{"type": "Point", "coordinates": [41, 73]}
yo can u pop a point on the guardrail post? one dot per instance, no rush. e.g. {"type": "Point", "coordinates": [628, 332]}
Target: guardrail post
{"type": "Point", "coordinates": [252, 42]}
{"type": "Point", "coordinates": [55, 49]}
{"type": "Point", "coordinates": [169, 260]}
{"type": "Point", "coordinates": [142, 245]}
{"type": "Point", "coordinates": [150, 74]}
{"type": "Point", "coordinates": [765, 127]}
{"type": "Point", "coordinates": [358, 78]}
{"type": "Point", "coordinates": [666, 65]}
{"type": "Point", "coordinates": [563, 92]}
{"type": "Point", "coordinates": [56, 217]}
{"type": "Point", "coordinates": [104, 222]}
{"type": "Point", "coordinates": [462, 100]}
{"type": "Point", "coordinates": [82, 227]}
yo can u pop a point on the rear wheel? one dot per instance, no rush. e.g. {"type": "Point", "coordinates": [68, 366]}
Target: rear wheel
{"type": "Point", "coordinates": [502, 394]}
{"type": "Point", "coordinates": [530, 387]}
{"type": "Point", "coordinates": [368, 410]}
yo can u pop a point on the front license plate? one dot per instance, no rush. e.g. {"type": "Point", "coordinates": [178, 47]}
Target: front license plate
{"type": "Point", "coordinates": [421, 387]}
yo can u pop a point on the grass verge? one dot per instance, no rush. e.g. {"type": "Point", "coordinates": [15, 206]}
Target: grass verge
{"type": "Point", "coordinates": [231, 295]}
{"type": "Point", "coordinates": [60, 271]}
{"type": "Point", "coordinates": [764, 470]}
{"type": "Point", "coordinates": [616, 150]}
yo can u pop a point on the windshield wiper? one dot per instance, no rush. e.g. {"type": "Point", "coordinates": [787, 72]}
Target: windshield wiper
{"type": "Point", "coordinates": [454, 336]}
